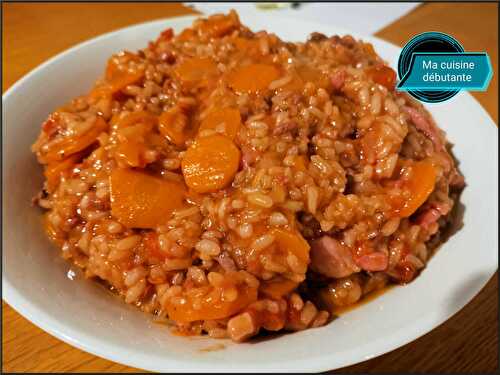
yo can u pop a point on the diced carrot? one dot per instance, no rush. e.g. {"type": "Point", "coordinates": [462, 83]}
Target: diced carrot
{"type": "Point", "coordinates": [133, 118]}
{"type": "Point", "coordinates": [292, 242]}
{"type": "Point", "coordinates": [210, 163]}
{"type": "Point", "coordinates": [71, 145]}
{"type": "Point", "coordinates": [302, 75]}
{"type": "Point", "coordinates": [300, 163]}
{"type": "Point", "coordinates": [210, 304]}
{"type": "Point", "coordinates": [277, 288]}
{"type": "Point", "coordinates": [369, 50]}
{"type": "Point", "coordinates": [219, 25]}
{"type": "Point", "coordinates": [253, 78]}
{"type": "Point", "coordinates": [131, 131]}
{"type": "Point", "coordinates": [196, 70]}
{"type": "Point", "coordinates": [101, 91]}
{"type": "Point", "coordinates": [174, 125]}
{"type": "Point", "coordinates": [119, 78]}
{"type": "Point", "coordinates": [308, 73]}
{"type": "Point", "coordinates": [186, 35]}
{"type": "Point", "coordinates": [383, 75]}
{"type": "Point", "coordinates": [139, 200]}
{"type": "Point", "coordinates": [54, 170]}
{"type": "Point", "coordinates": [247, 46]}
{"type": "Point", "coordinates": [166, 35]}
{"type": "Point", "coordinates": [130, 152]}
{"type": "Point", "coordinates": [420, 185]}
{"type": "Point", "coordinates": [228, 119]}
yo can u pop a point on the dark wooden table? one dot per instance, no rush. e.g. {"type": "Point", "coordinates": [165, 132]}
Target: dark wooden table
{"type": "Point", "coordinates": [32, 33]}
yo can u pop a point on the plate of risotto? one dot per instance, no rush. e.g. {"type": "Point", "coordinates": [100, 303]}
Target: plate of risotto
{"type": "Point", "coordinates": [225, 194]}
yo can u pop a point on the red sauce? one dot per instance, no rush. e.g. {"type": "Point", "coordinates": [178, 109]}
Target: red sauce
{"type": "Point", "coordinates": [338, 311]}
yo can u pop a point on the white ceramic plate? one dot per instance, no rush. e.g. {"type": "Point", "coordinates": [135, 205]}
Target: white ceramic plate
{"type": "Point", "coordinates": [83, 314]}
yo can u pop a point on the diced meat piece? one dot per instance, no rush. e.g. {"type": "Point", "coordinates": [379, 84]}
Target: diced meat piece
{"type": "Point", "coordinates": [348, 41]}
{"type": "Point", "coordinates": [443, 208]}
{"type": "Point", "coordinates": [432, 214]}
{"type": "Point", "coordinates": [373, 262]}
{"type": "Point", "coordinates": [330, 258]}
{"type": "Point", "coordinates": [166, 35]}
{"type": "Point", "coordinates": [248, 157]}
{"type": "Point", "coordinates": [226, 262]}
{"type": "Point", "coordinates": [426, 127]}
{"type": "Point", "coordinates": [284, 127]}
{"type": "Point", "coordinates": [403, 273]}
{"type": "Point", "coordinates": [456, 179]}
{"type": "Point", "coordinates": [242, 326]}
{"type": "Point", "coordinates": [317, 37]}
{"type": "Point", "coordinates": [338, 79]}
{"type": "Point", "coordinates": [426, 218]}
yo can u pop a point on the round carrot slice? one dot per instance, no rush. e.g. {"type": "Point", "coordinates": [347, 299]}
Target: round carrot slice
{"type": "Point", "coordinates": [228, 120]}
{"type": "Point", "coordinates": [210, 163]}
{"type": "Point", "coordinates": [420, 184]}
{"type": "Point", "coordinates": [140, 117]}
{"type": "Point", "coordinates": [54, 170]}
{"type": "Point", "coordinates": [292, 242]}
{"type": "Point", "coordinates": [383, 75]}
{"type": "Point", "coordinates": [119, 78]}
{"type": "Point", "coordinates": [253, 78]}
{"type": "Point", "coordinates": [196, 70]}
{"type": "Point", "coordinates": [174, 125]}
{"type": "Point", "coordinates": [278, 287]}
{"type": "Point", "coordinates": [73, 144]}
{"type": "Point", "coordinates": [210, 304]}
{"type": "Point", "coordinates": [139, 200]}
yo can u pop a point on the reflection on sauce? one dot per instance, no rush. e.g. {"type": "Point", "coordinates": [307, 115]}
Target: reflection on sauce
{"type": "Point", "coordinates": [338, 311]}
{"type": "Point", "coordinates": [213, 348]}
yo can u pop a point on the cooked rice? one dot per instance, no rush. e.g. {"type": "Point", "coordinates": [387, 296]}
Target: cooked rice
{"type": "Point", "coordinates": [330, 183]}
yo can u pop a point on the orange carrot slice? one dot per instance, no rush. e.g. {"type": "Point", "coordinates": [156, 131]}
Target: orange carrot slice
{"type": "Point", "coordinates": [420, 185]}
{"type": "Point", "coordinates": [54, 170]}
{"type": "Point", "coordinates": [292, 242]}
{"type": "Point", "coordinates": [247, 46]}
{"type": "Point", "coordinates": [277, 288]}
{"type": "Point", "coordinates": [300, 163]}
{"type": "Point", "coordinates": [196, 70]}
{"type": "Point", "coordinates": [139, 200]}
{"type": "Point", "coordinates": [228, 119]}
{"type": "Point", "coordinates": [133, 118]}
{"type": "Point", "coordinates": [132, 130]}
{"type": "Point", "coordinates": [129, 152]}
{"type": "Point", "coordinates": [383, 75]}
{"type": "Point", "coordinates": [186, 35]}
{"type": "Point", "coordinates": [210, 305]}
{"type": "Point", "coordinates": [253, 78]}
{"type": "Point", "coordinates": [219, 25]}
{"type": "Point", "coordinates": [174, 125]}
{"type": "Point", "coordinates": [210, 163]}
{"type": "Point", "coordinates": [117, 77]}
{"type": "Point", "coordinates": [71, 145]}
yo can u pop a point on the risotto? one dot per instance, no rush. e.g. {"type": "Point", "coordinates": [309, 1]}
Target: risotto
{"type": "Point", "coordinates": [231, 183]}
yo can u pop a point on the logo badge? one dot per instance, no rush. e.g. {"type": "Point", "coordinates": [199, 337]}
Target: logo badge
{"type": "Point", "coordinates": [434, 67]}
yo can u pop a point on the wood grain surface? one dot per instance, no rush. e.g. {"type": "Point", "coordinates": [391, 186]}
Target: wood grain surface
{"type": "Point", "coordinates": [32, 33]}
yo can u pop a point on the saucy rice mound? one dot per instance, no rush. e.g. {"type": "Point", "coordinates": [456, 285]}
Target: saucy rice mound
{"type": "Point", "coordinates": [229, 182]}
